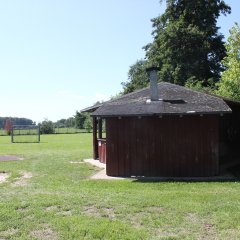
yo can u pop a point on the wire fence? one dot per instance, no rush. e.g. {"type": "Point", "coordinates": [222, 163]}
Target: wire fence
{"type": "Point", "coordinates": [57, 131]}
{"type": "Point", "coordinates": [25, 133]}
{"type": "Point", "coordinates": [71, 130]}
{"type": "Point", "coordinates": [4, 133]}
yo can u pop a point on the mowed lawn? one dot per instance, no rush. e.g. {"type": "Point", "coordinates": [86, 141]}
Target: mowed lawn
{"type": "Point", "coordinates": [48, 197]}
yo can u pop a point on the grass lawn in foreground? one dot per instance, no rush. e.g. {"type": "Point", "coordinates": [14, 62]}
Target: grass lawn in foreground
{"type": "Point", "coordinates": [47, 197]}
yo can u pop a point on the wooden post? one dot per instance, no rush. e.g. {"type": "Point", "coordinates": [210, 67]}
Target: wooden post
{"type": "Point", "coordinates": [12, 135]}
{"type": "Point", "coordinates": [39, 133]}
{"type": "Point", "coordinates": [100, 128]}
{"type": "Point", "coordinates": [95, 141]}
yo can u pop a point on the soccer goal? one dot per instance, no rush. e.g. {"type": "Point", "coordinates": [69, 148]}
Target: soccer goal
{"type": "Point", "coordinates": [25, 134]}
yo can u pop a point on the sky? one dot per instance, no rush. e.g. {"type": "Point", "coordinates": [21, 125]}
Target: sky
{"type": "Point", "coordinates": [60, 56]}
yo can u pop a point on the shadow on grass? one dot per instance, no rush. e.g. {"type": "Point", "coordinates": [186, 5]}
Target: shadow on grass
{"type": "Point", "coordinates": [30, 142]}
{"type": "Point", "coordinates": [185, 180]}
{"type": "Point", "coordinates": [232, 175]}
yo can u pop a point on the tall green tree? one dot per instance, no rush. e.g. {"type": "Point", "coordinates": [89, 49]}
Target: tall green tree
{"type": "Point", "coordinates": [187, 45]}
{"type": "Point", "coordinates": [137, 77]}
{"type": "Point", "coordinates": [70, 122]}
{"type": "Point", "coordinates": [88, 124]}
{"type": "Point", "coordinates": [80, 119]}
{"type": "Point", "coordinates": [229, 86]}
{"type": "Point", "coordinates": [60, 123]}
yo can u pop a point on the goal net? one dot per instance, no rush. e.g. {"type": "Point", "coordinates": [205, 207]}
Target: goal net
{"type": "Point", "coordinates": [25, 134]}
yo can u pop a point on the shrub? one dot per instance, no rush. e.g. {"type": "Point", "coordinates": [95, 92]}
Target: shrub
{"type": "Point", "coordinates": [47, 127]}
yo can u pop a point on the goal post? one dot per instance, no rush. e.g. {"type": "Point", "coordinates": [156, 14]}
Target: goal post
{"type": "Point", "coordinates": [25, 134]}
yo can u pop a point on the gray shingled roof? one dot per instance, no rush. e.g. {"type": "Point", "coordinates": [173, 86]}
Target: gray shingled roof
{"type": "Point", "coordinates": [174, 100]}
{"type": "Point", "coordinates": [92, 108]}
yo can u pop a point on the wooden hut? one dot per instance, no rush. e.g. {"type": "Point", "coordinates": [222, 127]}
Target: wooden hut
{"type": "Point", "coordinates": [173, 132]}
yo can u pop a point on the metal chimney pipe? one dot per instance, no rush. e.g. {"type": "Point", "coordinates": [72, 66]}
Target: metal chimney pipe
{"type": "Point", "coordinates": [152, 73]}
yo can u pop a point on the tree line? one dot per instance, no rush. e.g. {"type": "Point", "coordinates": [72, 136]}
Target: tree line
{"type": "Point", "coordinates": [189, 50]}
{"type": "Point", "coordinates": [15, 121]}
{"type": "Point", "coordinates": [78, 121]}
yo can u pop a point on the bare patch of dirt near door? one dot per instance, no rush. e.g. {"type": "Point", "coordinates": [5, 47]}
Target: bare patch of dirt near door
{"type": "Point", "coordinates": [3, 176]}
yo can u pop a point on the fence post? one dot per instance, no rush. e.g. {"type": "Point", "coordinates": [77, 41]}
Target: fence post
{"type": "Point", "coordinates": [39, 133]}
{"type": "Point", "coordinates": [95, 140]}
{"type": "Point", "coordinates": [12, 135]}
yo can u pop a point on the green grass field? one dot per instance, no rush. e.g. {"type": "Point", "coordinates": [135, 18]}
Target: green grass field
{"type": "Point", "coordinates": [3, 132]}
{"type": "Point", "coordinates": [57, 200]}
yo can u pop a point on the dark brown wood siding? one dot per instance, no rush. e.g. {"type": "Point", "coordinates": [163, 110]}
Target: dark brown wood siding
{"type": "Point", "coordinates": [170, 146]}
{"type": "Point", "coordinates": [229, 137]}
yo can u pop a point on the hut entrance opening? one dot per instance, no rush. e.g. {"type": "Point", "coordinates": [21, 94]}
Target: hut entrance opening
{"type": "Point", "coordinates": [229, 155]}
{"type": "Point", "coordinates": [99, 140]}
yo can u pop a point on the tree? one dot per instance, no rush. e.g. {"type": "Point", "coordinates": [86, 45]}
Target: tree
{"type": "Point", "coordinates": [70, 122]}
{"type": "Point", "coordinates": [137, 77]}
{"type": "Point", "coordinates": [229, 86]}
{"type": "Point", "coordinates": [8, 126]}
{"type": "Point", "coordinates": [60, 123]}
{"type": "Point", "coordinates": [187, 45]}
{"type": "Point", "coordinates": [47, 127]}
{"type": "Point", "coordinates": [80, 119]}
{"type": "Point", "coordinates": [88, 124]}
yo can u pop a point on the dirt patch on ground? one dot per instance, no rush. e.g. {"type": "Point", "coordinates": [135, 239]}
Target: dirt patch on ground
{"type": "Point", "coordinates": [22, 181]}
{"type": "Point", "coordinates": [208, 230]}
{"type": "Point", "coordinates": [45, 233]}
{"type": "Point", "coordinates": [51, 208]}
{"type": "Point", "coordinates": [59, 211]}
{"type": "Point", "coordinates": [64, 213]}
{"type": "Point", "coordinates": [155, 209]}
{"type": "Point", "coordinates": [9, 233]}
{"type": "Point", "coordinates": [22, 209]}
{"type": "Point", "coordinates": [3, 176]}
{"type": "Point", "coordinates": [193, 218]}
{"type": "Point", "coordinates": [93, 211]}
{"type": "Point", "coordinates": [10, 158]}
